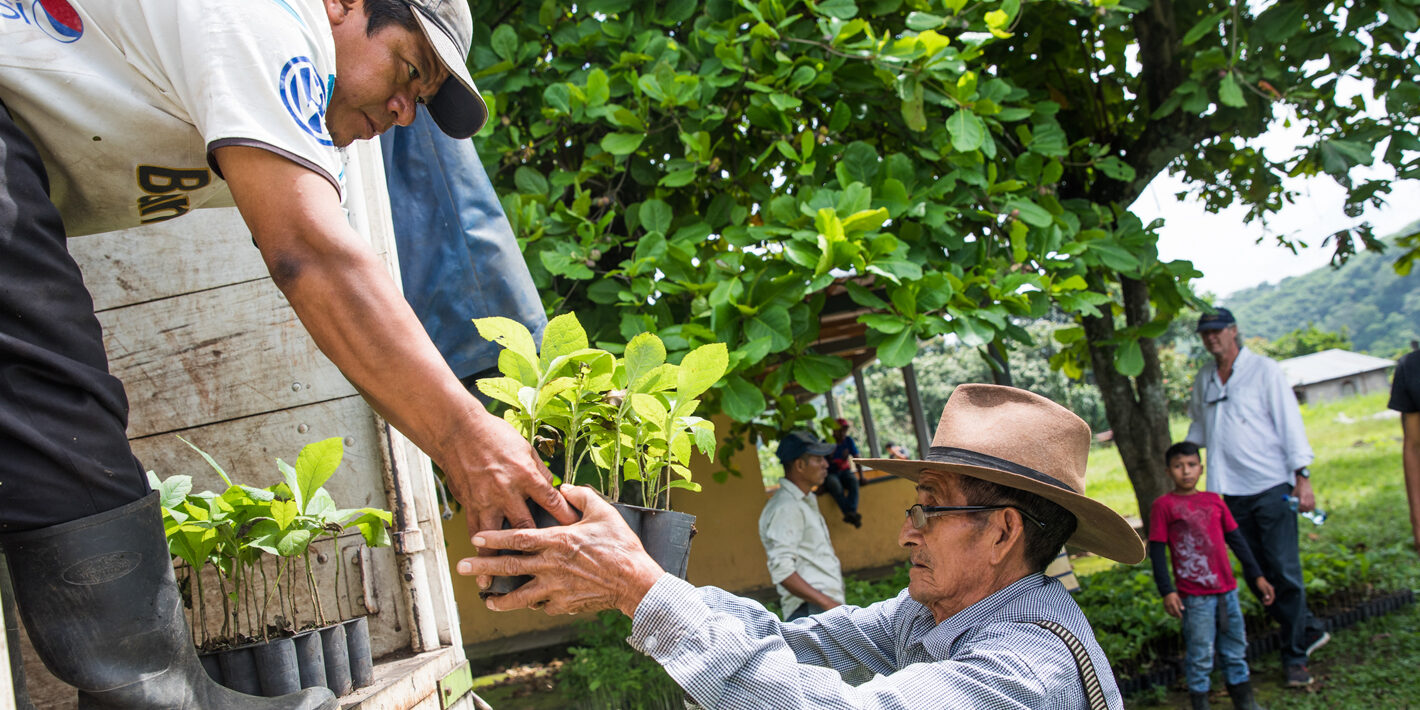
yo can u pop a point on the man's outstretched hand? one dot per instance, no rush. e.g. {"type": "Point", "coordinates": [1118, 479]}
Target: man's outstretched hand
{"type": "Point", "coordinates": [494, 472]}
{"type": "Point", "coordinates": [594, 564]}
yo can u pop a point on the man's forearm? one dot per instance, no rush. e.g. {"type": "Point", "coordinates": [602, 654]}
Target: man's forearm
{"type": "Point", "coordinates": [357, 317]}
{"type": "Point", "coordinates": [800, 588]}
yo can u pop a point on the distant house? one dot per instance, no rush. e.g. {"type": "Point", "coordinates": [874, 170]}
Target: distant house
{"type": "Point", "coordinates": [1333, 374]}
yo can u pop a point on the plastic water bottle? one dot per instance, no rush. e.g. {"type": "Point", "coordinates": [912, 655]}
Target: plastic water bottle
{"type": "Point", "coordinates": [1317, 516]}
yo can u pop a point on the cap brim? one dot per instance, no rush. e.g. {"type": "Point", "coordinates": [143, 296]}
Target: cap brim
{"type": "Point", "coordinates": [823, 449]}
{"type": "Point", "coordinates": [458, 109]}
{"type": "Point", "coordinates": [1100, 530]}
{"type": "Point", "coordinates": [1204, 327]}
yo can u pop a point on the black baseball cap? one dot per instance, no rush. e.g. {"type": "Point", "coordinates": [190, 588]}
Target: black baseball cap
{"type": "Point", "coordinates": [1219, 319]}
{"type": "Point", "coordinates": [801, 443]}
{"type": "Point", "coordinates": [457, 108]}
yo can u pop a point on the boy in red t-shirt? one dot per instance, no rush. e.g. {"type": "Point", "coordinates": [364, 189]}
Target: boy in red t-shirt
{"type": "Point", "coordinates": [1194, 525]}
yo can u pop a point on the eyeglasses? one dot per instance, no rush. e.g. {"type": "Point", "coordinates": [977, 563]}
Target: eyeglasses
{"type": "Point", "coordinates": [920, 513]}
{"type": "Point", "coordinates": [1213, 394]}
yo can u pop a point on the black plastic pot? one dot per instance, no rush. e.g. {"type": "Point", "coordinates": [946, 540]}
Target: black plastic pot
{"type": "Point", "coordinates": [239, 670]}
{"type": "Point", "coordinates": [357, 644]}
{"type": "Point", "coordinates": [665, 534]}
{"type": "Point", "coordinates": [276, 667]}
{"type": "Point", "coordinates": [212, 664]}
{"type": "Point", "coordinates": [310, 659]}
{"type": "Point", "coordinates": [337, 659]}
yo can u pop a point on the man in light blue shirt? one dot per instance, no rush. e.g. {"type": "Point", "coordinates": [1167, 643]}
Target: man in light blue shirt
{"type": "Point", "coordinates": [979, 625]}
{"type": "Point", "coordinates": [1245, 415]}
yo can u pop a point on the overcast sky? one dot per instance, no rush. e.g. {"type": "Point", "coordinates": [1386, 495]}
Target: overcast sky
{"type": "Point", "coordinates": [1229, 253]}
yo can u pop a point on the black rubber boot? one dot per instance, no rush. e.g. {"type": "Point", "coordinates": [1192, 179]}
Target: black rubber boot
{"type": "Point", "coordinates": [1242, 696]}
{"type": "Point", "coordinates": [104, 614]}
{"type": "Point", "coordinates": [12, 640]}
{"type": "Point", "coordinates": [1197, 701]}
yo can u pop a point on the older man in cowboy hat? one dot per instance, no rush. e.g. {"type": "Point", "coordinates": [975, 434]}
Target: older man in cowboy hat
{"type": "Point", "coordinates": [978, 626]}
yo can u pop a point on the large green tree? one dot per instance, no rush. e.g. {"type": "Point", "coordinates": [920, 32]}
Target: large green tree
{"type": "Point", "coordinates": [717, 171]}
{"type": "Point", "coordinates": [1182, 86]}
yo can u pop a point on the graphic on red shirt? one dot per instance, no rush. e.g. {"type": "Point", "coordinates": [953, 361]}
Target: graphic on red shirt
{"type": "Point", "coordinates": [1193, 526]}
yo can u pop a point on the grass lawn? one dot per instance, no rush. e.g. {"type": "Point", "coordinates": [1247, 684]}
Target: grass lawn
{"type": "Point", "coordinates": [1358, 481]}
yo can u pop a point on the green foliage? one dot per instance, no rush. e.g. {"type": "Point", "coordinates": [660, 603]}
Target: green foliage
{"type": "Point", "coordinates": [861, 592]}
{"type": "Point", "coordinates": [605, 672]}
{"type": "Point", "coordinates": [232, 531]}
{"type": "Point", "coordinates": [713, 173]}
{"type": "Point", "coordinates": [1377, 309]}
{"type": "Point", "coordinates": [631, 418]}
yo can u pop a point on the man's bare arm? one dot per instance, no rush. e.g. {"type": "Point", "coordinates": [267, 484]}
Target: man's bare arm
{"type": "Point", "coordinates": [352, 309]}
{"type": "Point", "coordinates": [800, 588]}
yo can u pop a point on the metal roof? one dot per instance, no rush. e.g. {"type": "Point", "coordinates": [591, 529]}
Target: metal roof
{"type": "Point", "coordinates": [1330, 365]}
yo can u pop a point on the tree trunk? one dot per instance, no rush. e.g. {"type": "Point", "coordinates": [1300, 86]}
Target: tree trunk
{"type": "Point", "coordinates": [997, 359]}
{"type": "Point", "coordinates": [1136, 407]}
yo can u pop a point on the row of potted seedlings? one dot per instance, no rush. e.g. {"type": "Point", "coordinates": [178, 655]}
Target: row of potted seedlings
{"type": "Point", "coordinates": [277, 634]}
{"type": "Point", "coordinates": [624, 425]}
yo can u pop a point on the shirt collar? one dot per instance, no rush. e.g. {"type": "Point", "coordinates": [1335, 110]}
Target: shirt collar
{"type": "Point", "coordinates": [791, 489]}
{"type": "Point", "coordinates": [938, 642]}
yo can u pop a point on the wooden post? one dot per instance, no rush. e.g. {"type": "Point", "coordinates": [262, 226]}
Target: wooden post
{"type": "Point", "coordinates": [869, 431]}
{"type": "Point", "coordinates": [832, 403]}
{"type": "Point", "coordinates": [914, 403]}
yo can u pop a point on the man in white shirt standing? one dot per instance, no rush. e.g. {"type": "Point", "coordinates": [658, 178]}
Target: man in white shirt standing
{"type": "Point", "coordinates": [801, 560]}
{"type": "Point", "coordinates": [1245, 415]}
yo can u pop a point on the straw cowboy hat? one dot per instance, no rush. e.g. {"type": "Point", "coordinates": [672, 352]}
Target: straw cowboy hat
{"type": "Point", "coordinates": [1022, 440]}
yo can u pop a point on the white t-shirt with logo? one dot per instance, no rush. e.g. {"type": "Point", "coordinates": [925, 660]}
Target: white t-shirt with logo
{"type": "Point", "coordinates": [127, 99]}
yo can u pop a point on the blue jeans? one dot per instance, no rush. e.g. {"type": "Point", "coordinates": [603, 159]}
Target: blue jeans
{"type": "Point", "coordinates": [843, 486]}
{"type": "Point", "coordinates": [805, 610]}
{"type": "Point", "coordinates": [1213, 622]}
{"type": "Point", "coordinates": [1269, 525]}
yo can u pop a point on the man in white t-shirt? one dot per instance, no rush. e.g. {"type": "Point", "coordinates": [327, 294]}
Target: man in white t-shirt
{"type": "Point", "coordinates": [115, 114]}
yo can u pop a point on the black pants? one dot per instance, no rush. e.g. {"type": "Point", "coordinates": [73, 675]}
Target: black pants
{"type": "Point", "coordinates": [64, 453]}
{"type": "Point", "coordinates": [1270, 528]}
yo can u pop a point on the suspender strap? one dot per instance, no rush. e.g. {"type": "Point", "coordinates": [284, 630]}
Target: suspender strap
{"type": "Point", "coordinates": [1094, 694]}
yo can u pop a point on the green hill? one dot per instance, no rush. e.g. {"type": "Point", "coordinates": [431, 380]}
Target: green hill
{"type": "Point", "coordinates": [1379, 309]}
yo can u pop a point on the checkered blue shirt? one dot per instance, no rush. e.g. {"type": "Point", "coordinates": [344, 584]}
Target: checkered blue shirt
{"type": "Point", "coordinates": [729, 652]}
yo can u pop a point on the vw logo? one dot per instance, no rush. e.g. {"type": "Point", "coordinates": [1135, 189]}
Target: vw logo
{"type": "Point", "coordinates": [303, 92]}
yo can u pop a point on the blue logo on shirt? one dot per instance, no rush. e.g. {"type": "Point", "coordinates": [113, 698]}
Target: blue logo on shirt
{"type": "Point", "coordinates": [305, 96]}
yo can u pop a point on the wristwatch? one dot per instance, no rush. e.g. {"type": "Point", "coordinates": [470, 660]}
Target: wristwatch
{"type": "Point", "coordinates": [1304, 472]}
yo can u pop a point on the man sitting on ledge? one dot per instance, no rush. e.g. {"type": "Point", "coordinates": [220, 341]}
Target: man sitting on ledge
{"type": "Point", "coordinates": [979, 625]}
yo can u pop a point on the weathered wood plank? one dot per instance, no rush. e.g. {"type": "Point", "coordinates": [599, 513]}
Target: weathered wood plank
{"type": "Point", "coordinates": [205, 249]}
{"type": "Point", "coordinates": [215, 355]}
{"type": "Point", "coordinates": [247, 450]}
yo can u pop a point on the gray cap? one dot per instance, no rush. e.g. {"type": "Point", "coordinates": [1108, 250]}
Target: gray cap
{"type": "Point", "coordinates": [457, 108]}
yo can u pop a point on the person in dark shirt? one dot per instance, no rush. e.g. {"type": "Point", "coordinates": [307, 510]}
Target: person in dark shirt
{"type": "Point", "coordinates": [1405, 398]}
{"type": "Point", "coordinates": [1193, 525]}
{"type": "Point", "coordinates": [845, 474]}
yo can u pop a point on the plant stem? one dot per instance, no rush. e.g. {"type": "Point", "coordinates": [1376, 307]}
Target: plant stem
{"type": "Point", "coordinates": [339, 560]}
{"type": "Point", "coordinates": [265, 601]}
{"type": "Point", "coordinates": [315, 593]}
{"type": "Point", "coordinates": [226, 606]}
{"type": "Point", "coordinates": [192, 611]}
{"type": "Point", "coordinates": [202, 610]}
